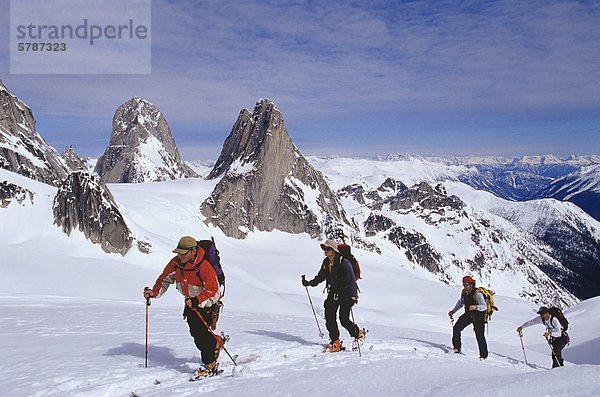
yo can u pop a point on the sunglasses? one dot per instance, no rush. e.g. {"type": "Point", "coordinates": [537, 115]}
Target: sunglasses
{"type": "Point", "coordinates": [327, 249]}
{"type": "Point", "coordinates": [466, 284]}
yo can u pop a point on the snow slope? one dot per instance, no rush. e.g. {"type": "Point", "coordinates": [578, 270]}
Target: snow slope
{"type": "Point", "coordinates": [73, 317]}
{"type": "Point", "coordinates": [58, 346]}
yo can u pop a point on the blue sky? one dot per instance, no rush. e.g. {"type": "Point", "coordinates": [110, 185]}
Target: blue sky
{"type": "Point", "coordinates": [351, 78]}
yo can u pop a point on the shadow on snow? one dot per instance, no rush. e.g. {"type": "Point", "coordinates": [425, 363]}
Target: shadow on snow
{"type": "Point", "coordinates": [160, 355]}
{"type": "Point", "coordinates": [283, 336]}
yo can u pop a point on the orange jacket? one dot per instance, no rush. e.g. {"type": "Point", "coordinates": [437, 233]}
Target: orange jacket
{"type": "Point", "coordinates": [205, 288]}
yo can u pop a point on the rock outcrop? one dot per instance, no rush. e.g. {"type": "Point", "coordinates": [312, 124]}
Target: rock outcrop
{"type": "Point", "coordinates": [22, 149]}
{"type": "Point", "coordinates": [72, 160]}
{"type": "Point", "coordinates": [267, 184]}
{"type": "Point", "coordinates": [83, 201]}
{"type": "Point", "coordinates": [141, 147]}
{"type": "Point", "coordinates": [10, 192]}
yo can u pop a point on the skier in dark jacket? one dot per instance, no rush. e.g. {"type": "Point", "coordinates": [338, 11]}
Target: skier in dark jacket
{"type": "Point", "coordinates": [342, 294]}
{"type": "Point", "coordinates": [475, 307]}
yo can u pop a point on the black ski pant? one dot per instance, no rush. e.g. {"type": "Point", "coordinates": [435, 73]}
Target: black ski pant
{"type": "Point", "coordinates": [558, 344]}
{"type": "Point", "coordinates": [203, 338]}
{"type": "Point", "coordinates": [332, 304]}
{"type": "Point", "coordinates": [478, 320]}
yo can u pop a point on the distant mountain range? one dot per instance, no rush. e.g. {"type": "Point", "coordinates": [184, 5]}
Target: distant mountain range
{"type": "Point", "coordinates": [575, 178]}
{"type": "Point", "coordinates": [580, 187]}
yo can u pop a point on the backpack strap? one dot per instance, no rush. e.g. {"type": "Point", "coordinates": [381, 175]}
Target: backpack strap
{"type": "Point", "coordinates": [562, 329]}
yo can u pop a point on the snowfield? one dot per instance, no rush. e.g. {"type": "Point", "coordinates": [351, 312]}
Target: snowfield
{"type": "Point", "coordinates": [73, 317]}
{"type": "Point", "coordinates": [59, 346]}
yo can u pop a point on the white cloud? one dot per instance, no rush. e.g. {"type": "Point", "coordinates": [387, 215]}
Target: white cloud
{"type": "Point", "coordinates": [333, 61]}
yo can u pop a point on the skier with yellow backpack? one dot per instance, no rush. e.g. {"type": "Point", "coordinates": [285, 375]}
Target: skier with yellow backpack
{"type": "Point", "coordinates": [479, 306]}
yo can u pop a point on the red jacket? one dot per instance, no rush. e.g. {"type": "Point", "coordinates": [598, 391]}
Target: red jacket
{"type": "Point", "coordinates": [204, 288]}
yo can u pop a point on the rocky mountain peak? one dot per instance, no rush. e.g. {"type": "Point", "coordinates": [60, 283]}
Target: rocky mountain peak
{"type": "Point", "coordinates": [22, 149]}
{"type": "Point", "coordinates": [72, 159]}
{"type": "Point", "coordinates": [83, 201]}
{"type": "Point", "coordinates": [141, 147]}
{"type": "Point", "coordinates": [252, 136]}
{"type": "Point", "coordinates": [267, 184]}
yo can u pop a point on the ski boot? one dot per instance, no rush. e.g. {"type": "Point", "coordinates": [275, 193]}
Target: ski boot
{"type": "Point", "coordinates": [335, 346]}
{"type": "Point", "coordinates": [206, 371]}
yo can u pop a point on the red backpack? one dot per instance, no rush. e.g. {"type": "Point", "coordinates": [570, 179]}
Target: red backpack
{"type": "Point", "coordinates": [345, 251]}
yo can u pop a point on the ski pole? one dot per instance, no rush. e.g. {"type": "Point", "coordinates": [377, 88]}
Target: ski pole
{"type": "Point", "coordinates": [356, 337]}
{"type": "Point", "coordinates": [523, 346]}
{"type": "Point", "coordinates": [321, 334]}
{"type": "Point", "coordinates": [213, 334]}
{"type": "Point", "coordinates": [147, 307]}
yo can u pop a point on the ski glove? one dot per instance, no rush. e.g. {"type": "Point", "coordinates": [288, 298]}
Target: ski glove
{"type": "Point", "coordinates": [305, 282]}
{"type": "Point", "coordinates": [195, 302]}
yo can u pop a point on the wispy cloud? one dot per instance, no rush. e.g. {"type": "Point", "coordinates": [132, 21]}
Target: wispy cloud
{"type": "Point", "coordinates": [406, 62]}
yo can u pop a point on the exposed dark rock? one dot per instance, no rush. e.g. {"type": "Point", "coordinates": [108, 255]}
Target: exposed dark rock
{"type": "Point", "coordinates": [10, 191]}
{"type": "Point", "coordinates": [144, 246]}
{"type": "Point", "coordinates": [416, 248]}
{"type": "Point", "coordinates": [83, 201]}
{"type": "Point", "coordinates": [392, 185]}
{"type": "Point", "coordinates": [355, 191]}
{"type": "Point", "coordinates": [427, 197]}
{"type": "Point", "coordinates": [376, 223]}
{"type": "Point", "coordinates": [22, 149]}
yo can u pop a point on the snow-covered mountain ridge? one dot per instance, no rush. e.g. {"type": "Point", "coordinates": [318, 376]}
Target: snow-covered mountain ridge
{"type": "Point", "coordinates": [574, 178]}
{"type": "Point", "coordinates": [460, 235]}
{"type": "Point", "coordinates": [581, 187]}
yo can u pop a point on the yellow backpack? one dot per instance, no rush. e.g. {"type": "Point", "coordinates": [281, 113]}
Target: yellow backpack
{"type": "Point", "coordinates": [488, 295]}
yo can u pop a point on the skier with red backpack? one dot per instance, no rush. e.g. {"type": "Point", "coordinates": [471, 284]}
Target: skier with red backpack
{"type": "Point", "coordinates": [194, 274]}
{"type": "Point", "coordinates": [556, 331]}
{"type": "Point", "coordinates": [342, 294]}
